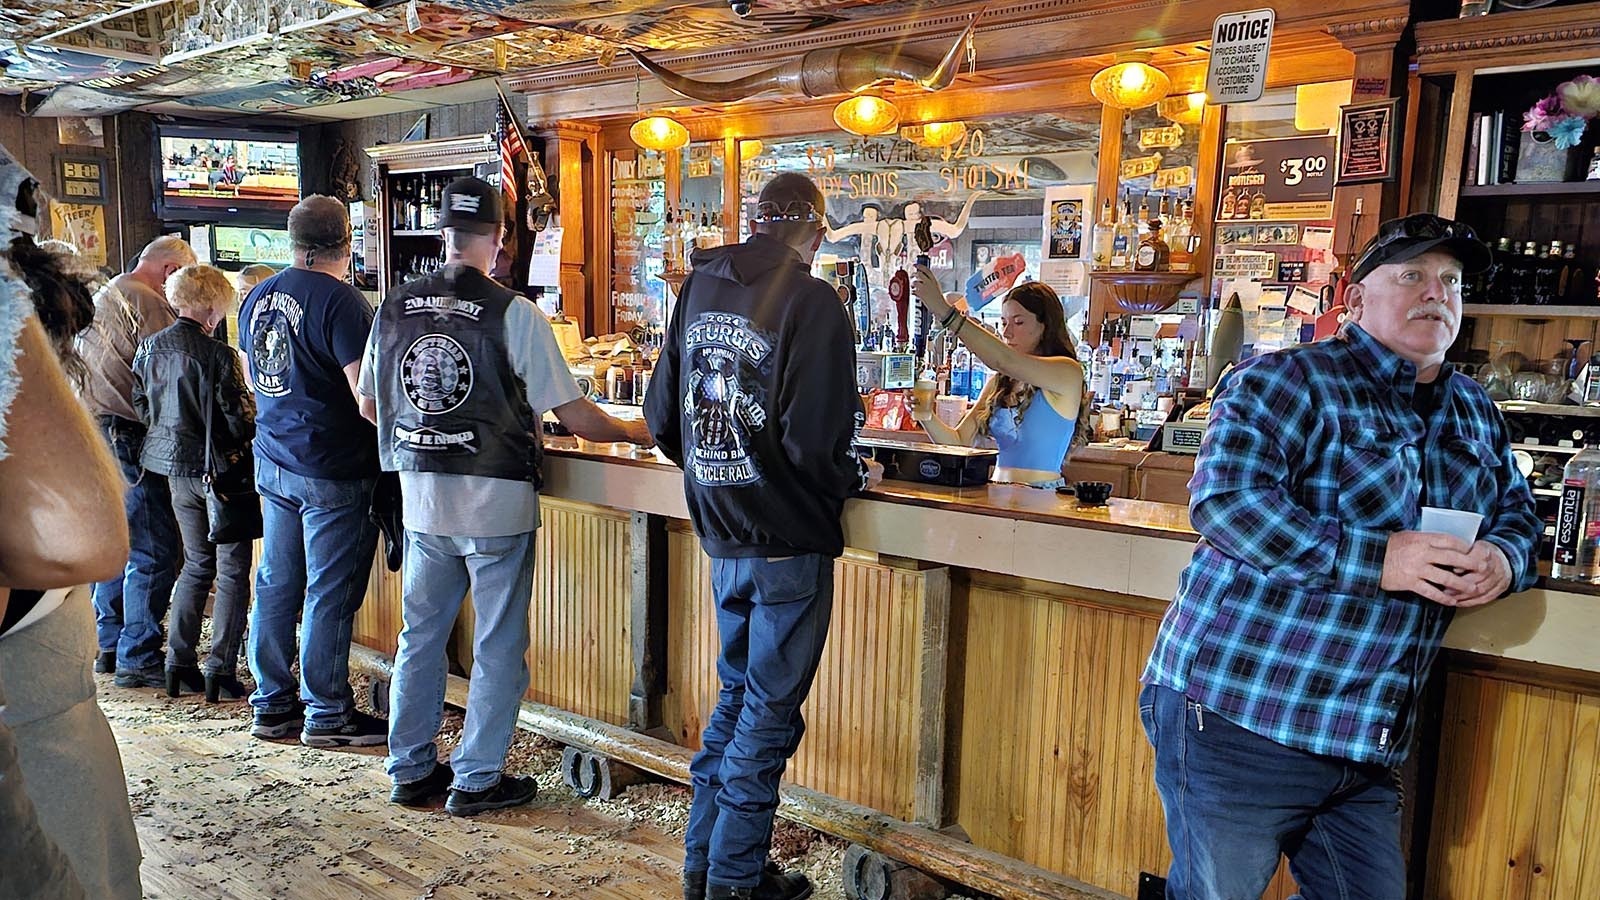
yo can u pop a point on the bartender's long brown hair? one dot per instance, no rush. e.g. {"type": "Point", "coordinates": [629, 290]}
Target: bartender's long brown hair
{"type": "Point", "coordinates": [1038, 298]}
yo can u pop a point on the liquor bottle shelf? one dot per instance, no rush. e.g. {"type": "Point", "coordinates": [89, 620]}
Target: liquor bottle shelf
{"type": "Point", "coordinates": [1518, 311]}
{"type": "Point", "coordinates": [1547, 409]}
{"type": "Point", "coordinates": [1541, 189]}
{"type": "Point", "coordinates": [1545, 448]}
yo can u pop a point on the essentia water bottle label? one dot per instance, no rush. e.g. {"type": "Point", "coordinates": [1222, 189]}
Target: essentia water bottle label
{"type": "Point", "coordinates": [1569, 524]}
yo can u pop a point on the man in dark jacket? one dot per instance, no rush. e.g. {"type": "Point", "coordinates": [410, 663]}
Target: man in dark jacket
{"type": "Point", "coordinates": [184, 378]}
{"type": "Point", "coordinates": [755, 398]}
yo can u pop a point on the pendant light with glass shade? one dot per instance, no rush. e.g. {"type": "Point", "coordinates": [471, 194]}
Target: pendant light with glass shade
{"type": "Point", "coordinates": [656, 132]}
{"type": "Point", "coordinates": [866, 115]}
{"type": "Point", "coordinates": [935, 134]}
{"type": "Point", "coordinates": [1130, 82]}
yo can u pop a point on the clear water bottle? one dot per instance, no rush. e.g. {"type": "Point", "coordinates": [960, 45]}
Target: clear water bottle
{"type": "Point", "coordinates": [1577, 539]}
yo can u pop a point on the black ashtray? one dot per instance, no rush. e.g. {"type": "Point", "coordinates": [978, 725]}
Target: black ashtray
{"type": "Point", "coordinates": [1093, 493]}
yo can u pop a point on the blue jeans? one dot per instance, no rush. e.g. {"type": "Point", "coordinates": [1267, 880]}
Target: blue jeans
{"type": "Point", "coordinates": [773, 619]}
{"type": "Point", "coordinates": [1235, 801]}
{"type": "Point", "coordinates": [316, 554]}
{"type": "Point", "coordinates": [129, 609]}
{"type": "Point", "coordinates": [437, 572]}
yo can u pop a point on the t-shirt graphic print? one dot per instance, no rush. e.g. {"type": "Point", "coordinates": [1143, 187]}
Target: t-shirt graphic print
{"type": "Point", "coordinates": [277, 319]}
{"type": "Point", "coordinates": [725, 401]}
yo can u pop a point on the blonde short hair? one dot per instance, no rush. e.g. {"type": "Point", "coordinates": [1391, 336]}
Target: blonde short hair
{"type": "Point", "coordinates": [169, 248]}
{"type": "Point", "coordinates": [201, 288]}
{"type": "Point", "coordinates": [252, 275]}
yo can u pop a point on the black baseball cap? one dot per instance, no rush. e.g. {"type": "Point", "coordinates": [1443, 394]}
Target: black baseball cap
{"type": "Point", "coordinates": [471, 204]}
{"type": "Point", "coordinates": [1406, 238]}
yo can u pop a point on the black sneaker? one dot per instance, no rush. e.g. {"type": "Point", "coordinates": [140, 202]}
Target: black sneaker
{"type": "Point", "coordinates": [220, 688]}
{"type": "Point", "coordinates": [776, 884]}
{"type": "Point", "coordinates": [105, 662]}
{"type": "Point", "coordinates": [277, 726]}
{"type": "Point", "coordinates": [180, 678]}
{"type": "Point", "coordinates": [423, 790]}
{"type": "Point", "coordinates": [360, 730]}
{"type": "Point", "coordinates": [694, 885]}
{"type": "Point", "coordinates": [511, 790]}
{"type": "Point", "coordinates": [152, 678]}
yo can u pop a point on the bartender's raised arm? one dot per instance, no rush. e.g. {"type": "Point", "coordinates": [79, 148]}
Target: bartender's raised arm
{"type": "Point", "coordinates": [818, 408]}
{"type": "Point", "coordinates": [1240, 499]}
{"type": "Point", "coordinates": [1057, 374]}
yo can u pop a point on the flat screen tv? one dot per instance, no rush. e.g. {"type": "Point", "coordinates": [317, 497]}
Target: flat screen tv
{"type": "Point", "coordinates": [227, 174]}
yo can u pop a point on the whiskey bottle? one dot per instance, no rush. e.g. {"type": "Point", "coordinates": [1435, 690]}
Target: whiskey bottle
{"type": "Point", "coordinates": [1153, 251]}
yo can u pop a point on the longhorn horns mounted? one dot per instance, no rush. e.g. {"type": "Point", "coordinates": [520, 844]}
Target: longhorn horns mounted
{"type": "Point", "coordinates": [819, 73]}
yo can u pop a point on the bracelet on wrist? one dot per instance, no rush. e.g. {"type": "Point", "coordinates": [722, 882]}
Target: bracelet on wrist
{"type": "Point", "coordinates": [949, 317]}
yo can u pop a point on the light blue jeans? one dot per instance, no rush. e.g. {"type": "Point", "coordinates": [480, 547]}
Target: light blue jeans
{"type": "Point", "coordinates": [436, 575]}
{"type": "Point", "coordinates": [316, 554]}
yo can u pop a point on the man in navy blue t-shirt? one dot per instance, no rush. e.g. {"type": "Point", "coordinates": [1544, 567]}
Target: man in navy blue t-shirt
{"type": "Point", "coordinates": [304, 331]}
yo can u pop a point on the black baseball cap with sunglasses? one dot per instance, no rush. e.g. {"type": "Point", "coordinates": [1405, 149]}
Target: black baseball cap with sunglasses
{"type": "Point", "coordinates": [1406, 238]}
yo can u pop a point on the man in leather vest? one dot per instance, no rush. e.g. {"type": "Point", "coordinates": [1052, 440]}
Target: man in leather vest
{"type": "Point", "coordinates": [457, 373]}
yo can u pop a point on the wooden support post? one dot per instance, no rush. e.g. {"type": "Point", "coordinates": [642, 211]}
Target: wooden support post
{"type": "Point", "coordinates": [927, 804]}
{"type": "Point", "coordinates": [647, 542]}
{"type": "Point", "coordinates": [1379, 72]}
{"type": "Point", "coordinates": [570, 161]}
{"type": "Point", "coordinates": [928, 850]}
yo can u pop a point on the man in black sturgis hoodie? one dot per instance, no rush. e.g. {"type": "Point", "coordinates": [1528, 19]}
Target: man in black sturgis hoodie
{"type": "Point", "coordinates": [755, 398]}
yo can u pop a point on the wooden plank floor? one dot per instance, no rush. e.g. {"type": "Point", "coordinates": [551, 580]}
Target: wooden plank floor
{"type": "Point", "coordinates": [223, 815]}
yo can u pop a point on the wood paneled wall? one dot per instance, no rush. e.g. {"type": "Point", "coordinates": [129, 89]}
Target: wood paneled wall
{"type": "Point", "coordinates": [1518, 809]}
{"type": "Point", "coordinates": [33, 141]}
{"type": "Point", "coordinates": [862, 717]}
{"type": "Point", "coordinates": [379, 620]}
{"type": "Point", "coordinates": [581, 656]}
{"type": "Point", "coordinates": [1054, 767]}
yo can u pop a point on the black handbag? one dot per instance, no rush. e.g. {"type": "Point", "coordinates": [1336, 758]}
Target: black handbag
{"type": "Point", "coordinates": [233, 508]}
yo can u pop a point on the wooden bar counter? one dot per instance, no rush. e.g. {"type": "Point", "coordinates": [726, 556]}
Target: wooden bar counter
{"type": "Point", "coordinates": [981, 677]}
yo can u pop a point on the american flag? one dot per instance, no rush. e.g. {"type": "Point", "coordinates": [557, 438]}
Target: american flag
{"type": "Point", "coordinates": [510, 150]}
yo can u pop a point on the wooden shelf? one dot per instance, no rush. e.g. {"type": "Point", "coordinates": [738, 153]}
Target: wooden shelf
{"type": "Point", "coordinates": [1545, 448]}
{"type": "Point", "coordinates": [1547, 409]}
{"type": "Point", "coordinates": [1546, 189]}
{"type": "Point", "coordinates": [1507, 310]}
{"type": "Point", "coordinates": [416, 233]}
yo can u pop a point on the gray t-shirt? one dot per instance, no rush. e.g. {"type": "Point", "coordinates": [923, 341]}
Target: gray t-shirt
{"type": "Point", "coordinates": [474, 505]}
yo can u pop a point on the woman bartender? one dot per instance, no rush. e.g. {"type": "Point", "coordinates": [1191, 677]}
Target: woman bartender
{"type": "Point", "coordinates": [1034, 406]}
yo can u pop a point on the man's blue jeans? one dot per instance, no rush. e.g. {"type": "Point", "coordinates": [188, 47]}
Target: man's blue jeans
{"type": "Point", "coordinates": [316, 554]}
{"type": "Point", "coordinates": [437, 572]}
{"type": "Point", "coordinates": [129, 609]}
{"type": "Point", "coordinates": [1235, 801]}
{"type": "Point", "coordinates": [773, 619]}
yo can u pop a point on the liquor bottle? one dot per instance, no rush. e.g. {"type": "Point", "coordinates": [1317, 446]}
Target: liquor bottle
{"type": "Point", "coordinates": [1241, 206]}
{"type": "Point", "coordinates": [1530, 273]}
{"type": "Point", "coordinates": [1258, 205]}
{"type": "Point", "coordinates": [1183, 241]}
{"type": "Point", "coordinates": [1124, 241]}
{"type": "Point", "coordinates": [1104, 234]}
{"type": "Point", "coordinates": [1100, 383]}
{"type": "Point", "coordinates": [1225, 208]}
{"type": "Point", "coordinates": [670, 248]}
{"type": "Point", "coordinates": [1577, 539]}
{"type": "Point", "coordinates": [1153, 251]}
{"type": "Point", "coordinates": [1143, 223]}
{"type": "Point", "coordinates": [1578, 285]}
{"type": "Point", "coordinates": [435, 202]}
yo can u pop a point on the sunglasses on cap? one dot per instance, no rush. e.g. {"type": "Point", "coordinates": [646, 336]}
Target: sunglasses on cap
{"type": "Point", "coordinates": [1400, 239]}
{"type": "Point", "coordinates": [791, 211]}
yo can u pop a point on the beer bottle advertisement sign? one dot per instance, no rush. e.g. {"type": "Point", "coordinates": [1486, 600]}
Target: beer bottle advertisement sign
{"type": "Point", "coordinates": [1280, 178]}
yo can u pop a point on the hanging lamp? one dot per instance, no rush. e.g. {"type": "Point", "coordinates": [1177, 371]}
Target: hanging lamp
{"type": "Point", "coordinates": [659, 133]}
{"type": "Point", "coordinates": [750, 149]}
{"type": "Point", "coordinates": [866, 115]}
{"type": "Point", "coordinates": [935, 134]}
{"type": "Point", "coordinates": [1130, 82]}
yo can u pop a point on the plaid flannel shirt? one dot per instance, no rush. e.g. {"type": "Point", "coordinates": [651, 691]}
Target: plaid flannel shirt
{"type": "Point", "coordinates": [1313, 457]}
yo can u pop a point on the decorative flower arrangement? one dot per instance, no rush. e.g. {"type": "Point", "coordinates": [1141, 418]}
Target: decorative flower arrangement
{"type": "Point", "coordinates": [1565, 114]}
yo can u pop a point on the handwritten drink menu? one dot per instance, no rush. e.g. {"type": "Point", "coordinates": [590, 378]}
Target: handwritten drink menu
{"type": "Point", "coordinates": [638, 206]}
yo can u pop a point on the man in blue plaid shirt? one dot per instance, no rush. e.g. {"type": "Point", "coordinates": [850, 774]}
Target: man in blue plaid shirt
{"type": "Point", "coordinates": [1281, 692]}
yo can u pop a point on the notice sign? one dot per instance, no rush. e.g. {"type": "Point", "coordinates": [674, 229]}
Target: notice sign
{"type": "Point", "coordinates": [1238, 69]}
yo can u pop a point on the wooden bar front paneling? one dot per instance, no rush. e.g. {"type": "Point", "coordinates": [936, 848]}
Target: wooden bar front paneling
{"type": "Point", "coordinates": [862, 716]}
{"type": "Point", "coordinates": [1519, 802]}
{"type": "Point", "coordinates": [378, 621]}
{"type": "Point", "coordinates": [580, 656]}
{"type": "Point", "coordinates": [1055, 768]}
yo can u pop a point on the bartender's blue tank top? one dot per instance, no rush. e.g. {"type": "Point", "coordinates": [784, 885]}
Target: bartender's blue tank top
{"type": "Point", "coordinates": [1040, 443]}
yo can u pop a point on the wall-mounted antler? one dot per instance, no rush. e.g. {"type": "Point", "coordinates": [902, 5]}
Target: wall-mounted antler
{"type": "Point", "coordinates": [819, 73]}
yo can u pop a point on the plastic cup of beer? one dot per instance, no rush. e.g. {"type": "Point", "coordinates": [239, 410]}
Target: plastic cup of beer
{"type": "Point", "coordinates": [1454, 522]}
{"type": "Point", "coordinates": [923, 395]}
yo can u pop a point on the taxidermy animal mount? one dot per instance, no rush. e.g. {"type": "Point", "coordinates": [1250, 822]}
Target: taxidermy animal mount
{"type": "Point", "coordinates": [819, 73]}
